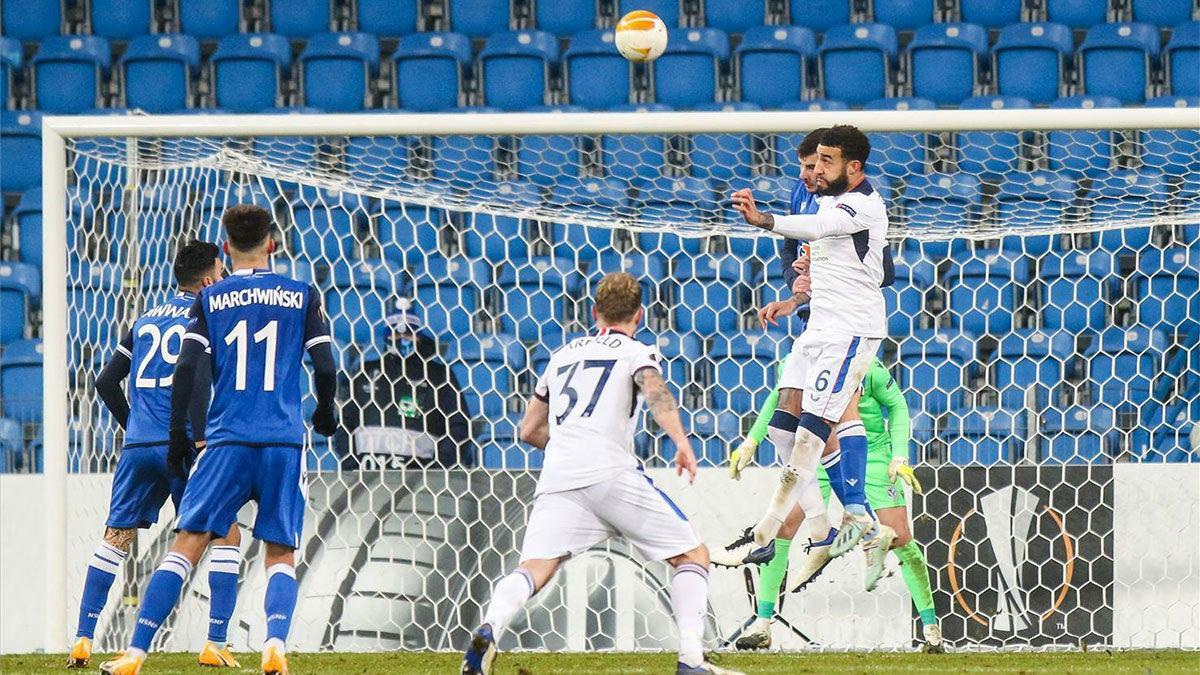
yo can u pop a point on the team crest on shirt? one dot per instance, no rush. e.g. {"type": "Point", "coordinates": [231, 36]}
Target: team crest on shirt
{"type": "Point", "coordinates": [848, 209]}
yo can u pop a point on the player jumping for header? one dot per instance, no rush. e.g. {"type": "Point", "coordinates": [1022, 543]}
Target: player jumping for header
{"type": "Point", "coordinates": [143, 482]}
{"type": "Point", "coordinates": [258, 326]}
{"type": "Point", "coordinates": [584, 414]}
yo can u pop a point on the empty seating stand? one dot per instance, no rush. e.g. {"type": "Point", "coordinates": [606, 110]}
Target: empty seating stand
{"type": "Point", "coordinates": [688, 73]}
{"type": "Point", "coordinates": [429, 70]}
{"type": "Point", "coordinates": [70, 73]}
{"type": "Point", "coordinates": [857, 62]}
{"type": "Point", "coordinates": [773, 64]}
{"type": "Point", "coordinates": [338, 70]}
{"type": "Point", "coordinates": [1117, 60]}
{"type": "Point", "coordinates": [945, 61]}
{"type": "Point", "coordinates": [1029, 60]}
{"type": "Point", "coordinates": [249, 72]}
{"type": "Point", "coordinates": [159, 72]}
{"type": "Point", "coordinates": [516, 68]}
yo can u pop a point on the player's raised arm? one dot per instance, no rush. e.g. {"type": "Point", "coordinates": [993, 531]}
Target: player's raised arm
{"type": "Point", "coordinates": [665, 410]}
{"type": "Point", "coordinates": [319, 346]}
{"type": "Point", "coordinates": [108, 382]}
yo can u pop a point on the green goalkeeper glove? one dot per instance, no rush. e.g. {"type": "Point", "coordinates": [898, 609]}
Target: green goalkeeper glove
{"type": "Point", "coordinates": [740, 458]}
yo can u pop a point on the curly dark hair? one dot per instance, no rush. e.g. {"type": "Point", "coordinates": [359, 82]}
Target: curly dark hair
{"type": "Point", "coordinates": [853, 143]}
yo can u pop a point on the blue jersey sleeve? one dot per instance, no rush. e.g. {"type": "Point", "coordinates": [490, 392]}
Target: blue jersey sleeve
{"type": "Point", "coordinates": [316, 325]}
{"type": "Point", "coordinates": [197, 328]}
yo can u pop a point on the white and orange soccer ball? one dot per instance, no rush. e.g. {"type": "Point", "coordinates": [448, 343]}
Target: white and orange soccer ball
{"type": "Point", "coordinates": [641, 36]}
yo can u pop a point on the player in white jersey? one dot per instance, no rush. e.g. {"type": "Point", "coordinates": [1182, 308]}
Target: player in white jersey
{"type": "Point", "coordinates": [584, 414]}
{"type": "Point", "coordinates": [847, 237]}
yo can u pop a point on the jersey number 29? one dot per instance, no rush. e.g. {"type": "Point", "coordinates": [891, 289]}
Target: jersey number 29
{"type": "Point", "coordinates": [269, 334]}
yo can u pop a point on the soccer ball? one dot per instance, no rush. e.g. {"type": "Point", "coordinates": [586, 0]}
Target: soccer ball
{"type": "Point", "coordinates": [641, 36]}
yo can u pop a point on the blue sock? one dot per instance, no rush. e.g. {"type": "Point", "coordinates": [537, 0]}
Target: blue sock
{"type": "Point", "coordinates": [833, 469]}
{"type": "Point", "coordinates": [852, 439]}
{"type": "Point", "coordinates": [222, 588]}
{"type": "Point", "coordinates": [161, 595]}
{"type": "Point", "coordinates": [280, 600]}
{"type": "Point", "coordinates": [101, 573]}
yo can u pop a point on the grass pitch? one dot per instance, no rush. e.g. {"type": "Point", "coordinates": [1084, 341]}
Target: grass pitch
{"type": "Point", "coordinates": [1139, 663]}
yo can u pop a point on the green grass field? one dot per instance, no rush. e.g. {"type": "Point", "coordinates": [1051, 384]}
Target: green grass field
{"type": "Point", "coordinates": [1141, 663]}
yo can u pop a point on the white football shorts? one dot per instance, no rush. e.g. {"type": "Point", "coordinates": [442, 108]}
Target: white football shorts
{"type": "Point", "coordinates": [829, 367]}
{"type": "Point", "coordinates": [629, 505]}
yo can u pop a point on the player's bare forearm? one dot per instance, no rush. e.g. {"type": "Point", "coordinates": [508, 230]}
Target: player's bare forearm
{"type": "Point", "coordinates": [661, 403]}
{"type": "Point", "coordinates": [535, 425]}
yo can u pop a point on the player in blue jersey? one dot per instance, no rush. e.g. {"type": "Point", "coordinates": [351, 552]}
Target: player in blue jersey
{"type": "Point", "coordinates": [258, 326]}
{"type": "Point", "coordinates": [142, 483]}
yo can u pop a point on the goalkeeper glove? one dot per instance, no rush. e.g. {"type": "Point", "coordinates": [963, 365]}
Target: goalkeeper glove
{"type": "Point", "coordinates": [899, 467]}
{"type": "Point", "coordinates": [325, 419]}
{"type": "Point", "coordinates": [181, 452]}
{"type": "Point", "coordinates": [740, 458]}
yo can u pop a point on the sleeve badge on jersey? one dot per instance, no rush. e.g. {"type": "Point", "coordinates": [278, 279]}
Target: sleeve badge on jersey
{"type": "Point", "coordinates": [848, 209]}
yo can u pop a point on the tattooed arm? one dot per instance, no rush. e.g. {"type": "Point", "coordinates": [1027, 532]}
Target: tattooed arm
{"type": "Point", "coordinates": [662, 406]}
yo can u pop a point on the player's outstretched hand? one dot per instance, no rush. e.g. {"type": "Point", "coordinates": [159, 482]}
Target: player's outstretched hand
{"type": "Point", "coordinates": [740, 458]}
{"type": "Point", "coordinates": [743, 203]}
{"type": "Point", "coordinates": [900, 468]}
{"type": "Point", "coordinates": [181, 452]}
{"type": "Point", "coordinates": [685, 460]}
{"type": "Point", "coordinates": [325, 420]}
{"type": "Point", "coordinates": [773, 312]}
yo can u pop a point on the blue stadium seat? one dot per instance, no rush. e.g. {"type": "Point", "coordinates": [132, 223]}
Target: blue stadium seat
{"type": "Point", "coordinates": [326, 222]}
{"type": "Point", "coordinates": [1117, 60]}
{"type": "Point", "coordinates": [991, 152]}
{"type": "Point", "coordinates": [1082, 153]}
{"type": "Point", "coordinates": [359, 297]}
{"type": "Point", "coordinates": [1077, 13]}
{"type": "Point", "coordinates": [464, 161]}
{"type": "Point", "coordinates": [337, 70]}
{"type": "Point", "coordinates": [429, 70]}
{"type": "Point", "coordinates": [1175, 151]}
{"type": "Point", "coordinates": [1028, 364]}
{"type": "Point", "coordinates": [983, 292]}
{"type": "Point", "coordinates": [92, 294]}
{"type": "Point", "coordinates": [388, 18]}
{"type": "Point", "coordinates": [369, 157]}
{"type": "Point", "coordinates": [294, 152]}
{"type": "Point", "coordinates": [903, 14]}
{"type": "Point", "coordinates": [857, 62]}
{"type": "Point", "coordinates": [487, 367]}
{"type": "Point", "coordinates": [670, 11]}
{"type": "Point", "coordinates": [500, 448]}
{"type": "Point", "coordinates": [121, 19]}
{"type": "Point", "coordinates": [686, 75]}
{"type": "Point", "coordinates": [479, 18]}
{"type": "Point", "coordinates": [565, 17]}
{"type": "Point", "coordinates": [597, 75]}
{"type": "Point", "coordinates": [20, 288]}
{"type": "Point", "coordinates": [680, 351]}
{"type": "Point", "coordinates": [584, 245]}
{"type": "Point", "coordinates": [1126, 194]}
{"type": "Point", "coordinates": [734, 16]}
{"type": "Point", "coordinates": [1077, 435]}
{"type": "Point", "coordinates": [788, 145]}
{"type": "Point", "coordinates": [10, 68]}
{"type": "Point", "coordinates": [21, 380]}
{"type": "Point", "coordinates": [945, 201]}
{"type": "Point", "coordinates": [1035, 198]}
{"type": "Point", "coordinates": [248, 71]}
{"type": "Point", "coordinates": [21, 146]}
{"type": "Point", "coordinates": [671, 199]}
{"type": "Point", "coordinates": [497, 238]}
{"type": "Point", "coordinates": [820, 15]}
{"type": "Point", "coordinates": [635, 156]}
{"type": "Point", "coordinates": [545, 159]}
{"type": "Point", "coordinates": [712, 432]}
{"type": "Point", "coordinates": [159, 71]}
{"type": "Point", "coordinates": [722, 156]}
{"type": "Point", "coordinates": [905, 298]}
{"type": "Point", "coordinates": [773, 195]}
{"type": "Point", "coordinates": [516, 68]}
{"type": "Point", "coordinates": [1124, 362]}
{"type": "Point", "coordinates": [991, 13]}
{"type": "Point", "coordinates": [898, 153]}
{"type": "Point", "coordinates": [210, 19]}
{"type": "Point", "coordinates": [28, 218]}
{"type": "Point", "coordinates": [536, 297]}
{"type": "Point", "coordinates": [407, 231]}
{"type": "Point", "coordinates": [1162, 13]}
{"type": "Point", "coordinates": [934, 365]}
{"type": "Point", "coordinates": [1169, 287]}
{"type": "Point", "coordinates": [1074, 296]}
{"type": "Point", "coordinates": [589, 196]}
{"type": "Point", "coordinates": [945, 61]}
{"type": "Point", "coordinates": [214, 202]}
{"type": "Point", "coordinates": [1029, 60]}
{"type": "Point", "coordinates": [31, 19]}
{"type": "Point", "coordinates": [1183, 59]}
{"type": "Point", "coordinates": [744, 370]}
{"type": "Point", "coordinates": [300, 18]}
{"type": "Point", "coordinates": [710, 293]}
{"type": "Point", "coordinates": [69, 73]}
{"type": "Point", "coordinates": [984, 435]}
{"type": "Point", "coordinates": [449, 291]}
{"type": "Point", "coordinates": [772, 64]}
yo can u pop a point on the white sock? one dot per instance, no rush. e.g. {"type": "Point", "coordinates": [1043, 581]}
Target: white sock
{"type": "Point", "coordinates": [134, 652]}
{"type": "Point", "coordinates": [814, 508]}
{"type": "Point", "coordinates": [800, 470]}
{"type": "Point", "coordinates": [509, 595]}
{"type": "Point", "coordinates": [689, 602]}
{"type": "Point", "coordinates": [783, 440]}
{"type": "Point", "coordinates": [276, 643]}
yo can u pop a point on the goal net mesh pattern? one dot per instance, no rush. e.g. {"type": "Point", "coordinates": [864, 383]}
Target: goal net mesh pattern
{"type": "Point", "coordinates": [1043, 328]}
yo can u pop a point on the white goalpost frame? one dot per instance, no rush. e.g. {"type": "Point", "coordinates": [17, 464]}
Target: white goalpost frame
{"type": "Point", "coordinates": [57, 129]}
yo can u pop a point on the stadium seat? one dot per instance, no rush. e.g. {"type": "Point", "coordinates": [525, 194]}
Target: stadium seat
{"type": "Point", "coordinates": [388, 18]}
{"type": "Point", "coordinates": [1082, 153]}
{"type": "Point", "coordinates": [590, 196]}
{"type": "Point", "coordinates": [298, 153]}
{"type": "Point", "coordinates": [680, 351]}
{"type": "Point", "coordinates": [898, 153]}
{"type": "Point", "coordinates": [903, 14]}
{"type": "Point", "coordinates": [337, 70]}
{"type": "Point", "coordinates": [984, 435]}
{"type": "Point", "coordinates": [10, 68]}
{"type": "Point", "coordinates": [905, 298]}
{"type": "Point", "coordinates": [597, 75]}
{"type": "Point", "coordinates": [248, 71]}
{"type": "Point", "coordinates": [1174, 151]}
{"type": "Point", "coordinates": [1168, 288]}
{"type": "Point", "coordinates": [1028, 364]}
{"type": "Point", "coordinates": [20, 288]}
{"type": "Point", "coordinates": [487, 367]}
{"type": "Point", "coordinates": [429, 70]}
{"type": "Point", "coordinates": [516, 68]}
{"type": "Point", "coordinates": [722, 156]}
{"type": "Point", "coordinates": [31, 19]}
{"type": "Point", "coordinates": [359, 296]}
{"type": "Point", "coordinates": [326, 222]}
{"type": "Point", "coordinates": [670, 11]}
{"type": "Point", "coordinates": [545, 159]}
{"type": "Point", "coordinates": [565, 17]}
{"type": "Point", "coordinates": [69, 73]}
{"type": "Point", "coordinates": [945, 61]}
{"type": "Point", "coordinates": [788, 145]}
{"type": "Point", "coordinates": [1029, 60]}
{"type": "Point", "coordinates": [159, 70]}
{"type": "Point", "coordinates": [1079, 14]}
{"type": "Point", "coordinates": [983, 292]}
{"type": "Point", "coordinates": [21, 380]}
{"type": "Point", "coordinates": [991, 13]}
{"type": "Point", "coordinates": [368, 158]}
{"type": "Point", "coordinates": [1036, 198]}
{"type": "Point", "coordinates": [209, 19]}
{"type": "Point", "coordinates": [537, 298]}
{"type": "Point", "coordinates": [299, 18]}
{"type": "Point", "coordinates": [28, 218]}
{"type": "Point", "coordinates": [21, 147]}
{"type": "Point", "coordinates": [1126, 194]}
{"type": "Point", "coordinates": [857, 61]}
{"type": "Point", "coordinates": [501, 449]}
{"type": "Point", "coordinates": [734, 16]}
{"type": "Point", "coordinates": [670, 199]}
{"type": "Point", "coordinates": [1077, 435]}
{"type": "Point", "coordinates": [407, 231]}
{"type": "Point", "coordinates": [120, 19]}
{"type": "Point", "coordinates": [464, 161]}
{"type": "Point", "coordinates": [1183, 59]}
{"type": "Point", "coordinates": [944, 201]}
{"type": "Point", "coordinates": [744, 366]}
{"type": "Point", "coordinates": [772, 64]}
{"type": "Point", "coordinates": [710, 293]}
{"type": "Point", "coordinates": [213, 204]}
{"type": "Point", "coordinates": [479, 18]}
{"type": "Point", "coordinates": [1117, 60]}
{"type": "Point", "coordinates": [991, 152]}
{"type": "Point", "coordinates": [93, 299]}
{"type": "Point", "coordinates": [1162, 13]}
{"type": "Point", "coordinates": [934, 365]}
{"type": "Point", "coordinates": [687, 74]}
{"type": "Point", "coordinates": [820, 15]}
{"type": "Point", "coordinates": [449, 292]}
{"type": "Point", "coordinates": [711, 434]}
{"type": "Point", "coordinates": [496, 238]}
{"type": "Point", "coordinates": [1124, 362]}
{"type": "Point", "coordinates": [1074, 284]}
{"type": "Point", "coordinates": [635, 156]}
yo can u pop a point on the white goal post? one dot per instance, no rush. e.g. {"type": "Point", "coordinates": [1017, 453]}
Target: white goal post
{"type": "Point", "coordinates": [61, 136]}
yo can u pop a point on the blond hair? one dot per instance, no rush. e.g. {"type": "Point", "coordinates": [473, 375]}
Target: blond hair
{"type": "Point", "coordinates": [618, 297]}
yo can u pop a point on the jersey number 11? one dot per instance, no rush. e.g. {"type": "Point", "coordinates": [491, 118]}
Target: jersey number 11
{"type": "Point", "coordinates": [269, 334]}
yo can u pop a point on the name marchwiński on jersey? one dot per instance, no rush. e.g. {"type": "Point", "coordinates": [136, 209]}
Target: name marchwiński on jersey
{"type": "Point", "coordinates": [276, 297]}
{"type": "Point", "coordinates": [168, 310]}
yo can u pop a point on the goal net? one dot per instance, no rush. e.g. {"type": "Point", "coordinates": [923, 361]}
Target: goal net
{"type": "Point", "coordinates": [1043, 327]}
